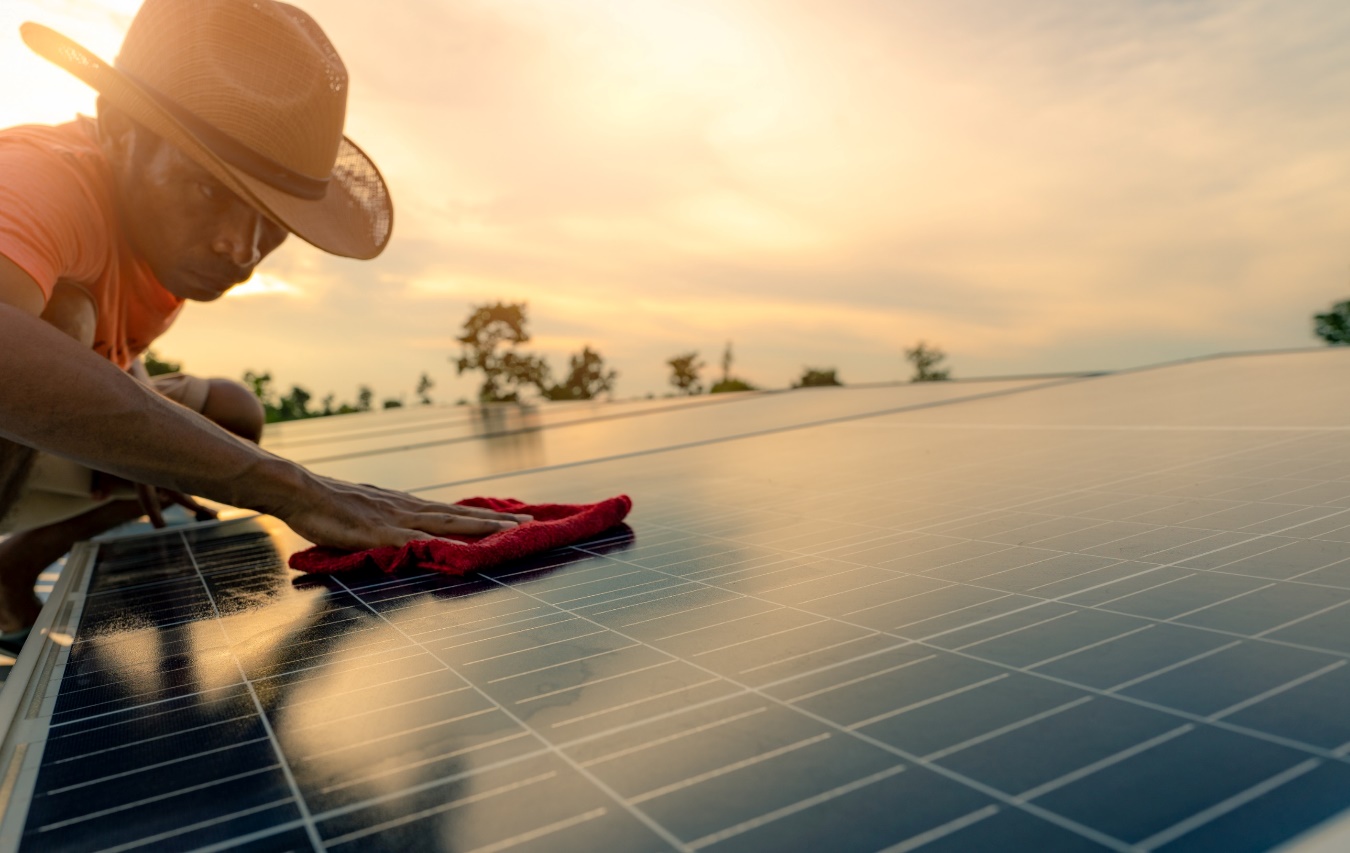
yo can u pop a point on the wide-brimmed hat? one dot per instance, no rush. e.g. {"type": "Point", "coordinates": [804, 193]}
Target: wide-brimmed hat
{"type": "Point", "coordinates": [254, 92]}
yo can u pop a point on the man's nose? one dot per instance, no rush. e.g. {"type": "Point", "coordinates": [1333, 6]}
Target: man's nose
{"type": "Point", "coordinates": [239, 235]}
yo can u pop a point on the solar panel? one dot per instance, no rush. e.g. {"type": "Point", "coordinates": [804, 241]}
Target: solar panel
{"type": "Point", "coordinates": [1108, 614]}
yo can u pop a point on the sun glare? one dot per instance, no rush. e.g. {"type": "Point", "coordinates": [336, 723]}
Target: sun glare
{"type": "Point", "coordinates": [264, 284]}
{"type": "Point", "coordinates": [31, 89]}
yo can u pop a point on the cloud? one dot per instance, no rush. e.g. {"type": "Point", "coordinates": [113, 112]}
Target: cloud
{"type": "Point", "coordinates": [1038, 185]}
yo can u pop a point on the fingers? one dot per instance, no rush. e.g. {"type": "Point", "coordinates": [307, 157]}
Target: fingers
{"type": "Point", "coordinates": [150, 503]}
{"type": "Point", "coordinates": [187, 502]}
{"type": "Point", "coordinates": [479, 512]}
{"type": "Point", "coordinates": [445, 523]}
{"type": "Point", "coordinates": [436, 507]}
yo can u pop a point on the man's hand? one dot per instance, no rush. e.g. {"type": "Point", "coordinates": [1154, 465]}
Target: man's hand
{"type": "Point", "coordinates": [356, 517]}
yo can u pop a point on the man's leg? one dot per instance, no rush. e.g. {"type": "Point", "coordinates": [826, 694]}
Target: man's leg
{"type": "Point", "coordinates": [24, 555]}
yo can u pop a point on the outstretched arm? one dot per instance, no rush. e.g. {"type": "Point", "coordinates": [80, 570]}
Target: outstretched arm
{"type": "Point", "coordinates": [58, 396]}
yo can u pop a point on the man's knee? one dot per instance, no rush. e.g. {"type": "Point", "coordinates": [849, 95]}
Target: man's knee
{"type": "Point", "coordinates": [235, 408]}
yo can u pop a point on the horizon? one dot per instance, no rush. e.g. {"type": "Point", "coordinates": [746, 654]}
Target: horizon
{"type": "Point", "coordinates": [1049, 188]}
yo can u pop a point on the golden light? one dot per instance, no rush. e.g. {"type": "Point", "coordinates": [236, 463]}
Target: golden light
{"type": "Point", "coordinates": [33, 90]}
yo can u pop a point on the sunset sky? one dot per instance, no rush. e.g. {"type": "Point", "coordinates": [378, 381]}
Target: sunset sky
{"type": "Point", "coordinates": [1039, 185]}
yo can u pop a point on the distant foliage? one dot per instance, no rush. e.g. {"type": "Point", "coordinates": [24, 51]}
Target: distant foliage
{"type": "Point", "coordinates": [926, 359]}
{"type": "Point", "coordinates": [424, 386]}
{"type": "Point", "coordinates": [488, 343]}
{"type": "Point", "coordinates": [1334, 326]}
{"type": "Point", "coordinates": [684, 370]}
{"type": "Point", "coordinates": [729, 383]}
{"type": "Point", "coordinates": [294, 405]}
{"type": "Point", "coordinates": [817, 377]}
{"type": "Point", "coordinates": [727, 386]}
{"type": "Point", "coordinates": [587, 378]}
{"type": "Point", "coordinates": [157, 367]}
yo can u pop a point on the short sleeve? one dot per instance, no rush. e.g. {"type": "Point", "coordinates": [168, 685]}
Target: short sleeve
{"type": "Point", "coordinates": [49, 214]}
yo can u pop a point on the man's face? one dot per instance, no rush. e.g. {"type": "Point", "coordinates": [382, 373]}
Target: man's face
{"type": "Point", "coordinates": [198, 237]}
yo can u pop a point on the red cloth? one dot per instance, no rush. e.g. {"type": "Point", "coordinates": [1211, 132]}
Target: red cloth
{"type": "Point", "coordinates": [554, 526]}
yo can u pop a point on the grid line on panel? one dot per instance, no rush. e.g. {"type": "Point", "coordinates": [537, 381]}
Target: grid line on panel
{"type": "Point", "coordinates": [157, 766]}
{"type": "Point", "coordinates": [1010, 727]}
{"type": "Point", "coordinates": [361, 454]}
{"type": "Point", "coordinates": [533, 648]}
{"type": "Point", "coordinates": [641, 816]}
{"type": "Point", "coordinates": [626, 705]}
{"type": "Point", "coordinates": [1151, 567]}
{"type": "Point", "coordinates": [758, 758]}
{"type": "Point", "coordinates": [441, 808]}
{"type": "Point", "coordinates": [730, 621]}
{"type": "Point", "coordinates": [1116, 688]}
{"type": "Point", "coordinates": [1302, 618]}
{"type": "Point", "coordinates": [541, 832]}
{"type": "Point", "coordinates": [1182, 715]}
{"type": "Point", "coordinates": [1221, 601]}
{"type": "Point", "coordinates": [1101, 764]}
{"type": "Point", "coordinates": [1092, 645]}
{"type": "Point", "coordinates": [671, 738]}
{"type": "Point", "coordinates": [241, 840]}
{"type": "Point", "coordinates": [1035, 810]}
{"type": "Point", "coordinates": [1111, 691]}
{"type": "Point", "coordinates": [1223, 807]}
{"type": "Point", "coordinates": [142, 741]}
{"type": "Point", "coordinates": [939, 832]}
{"type": "Point", "coordinates": [183, 830]}
{"type": "Point", "coordinates": [310, 829]}
{"type": "Point", "coordinates": [903, 709]}
{"type": "Point", "coordinates": [689, 445]}
{"type": "Point", "coordinates": [1276, 691]}
{"type": "Point", "coordinates": [800, 805]}
{"type": "Point", "coordinates": [422, 786]}
{"type": "Point", "coordinates": [154, 799]}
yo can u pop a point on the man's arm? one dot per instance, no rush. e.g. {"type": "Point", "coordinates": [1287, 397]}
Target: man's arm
{"type": "Point", "coordinates": [62, 398]}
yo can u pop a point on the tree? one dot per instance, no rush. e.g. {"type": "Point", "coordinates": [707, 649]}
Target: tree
{"type": "Point", "coordinates": [727, 386]}
{"type": "Point", "coordinates": [295, 405]}
{"type": "Point", "coordinates": [393, 403]}
{"type": "Point", "coordinates": [926, 359]}
{"type": "Point", "coordinates": [1334, 326]}
{"type": "Point", "coordinates": [684, 373]}
{"type": "Point", "coordinates": [586, 379]}
{"type": "Point", "coordinates": [814, 377]}
{"type": "Point", "coordinates": [489, 330]}
{"type": "Point", "coordinates": [156, 367]}
{"type": "Point", "coordinates": [424, 386]}
{"type": "Point", "coordinates": [260, 384]}
{"type": "Point", "coordinates": [728, 382]}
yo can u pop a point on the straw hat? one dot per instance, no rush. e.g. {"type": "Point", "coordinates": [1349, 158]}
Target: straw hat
{"type": "Point", "coordinates": [253, 91]}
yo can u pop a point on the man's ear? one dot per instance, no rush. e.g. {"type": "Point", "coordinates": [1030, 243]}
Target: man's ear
{"type": "Point", "coordinates": [116, 132]}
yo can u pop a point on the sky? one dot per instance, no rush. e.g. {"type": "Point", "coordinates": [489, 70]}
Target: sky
{"type": "Point", "coordinates": [1036, 186]}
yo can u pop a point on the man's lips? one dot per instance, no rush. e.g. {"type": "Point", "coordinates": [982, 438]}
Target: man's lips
{"type": "Point", "coordinates": [220, 281]}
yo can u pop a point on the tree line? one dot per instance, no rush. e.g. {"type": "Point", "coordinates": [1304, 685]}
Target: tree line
{"type": "Point", "coordinates": [492, 342]}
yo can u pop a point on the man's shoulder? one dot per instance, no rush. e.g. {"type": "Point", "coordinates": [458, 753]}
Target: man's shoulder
{"type": "Point", "coordinates": [75, 139]}
{"type": "Point", "coordinates": [57, 216]}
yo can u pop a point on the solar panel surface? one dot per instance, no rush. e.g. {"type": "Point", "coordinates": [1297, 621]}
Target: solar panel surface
{"type": "Point", "coordinates": [1100, 614]}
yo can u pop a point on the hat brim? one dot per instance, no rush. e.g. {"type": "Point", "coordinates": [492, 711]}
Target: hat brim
{"type": "Point", "coordinates": [354, 218]}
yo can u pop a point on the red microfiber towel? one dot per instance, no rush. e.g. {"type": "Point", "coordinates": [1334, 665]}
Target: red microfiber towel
{"type": "Point", "coordinates": [554, 526]}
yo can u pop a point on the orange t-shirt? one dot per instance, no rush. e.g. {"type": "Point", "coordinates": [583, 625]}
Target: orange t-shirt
{"type": "Point", "coordinates": [58, 223]}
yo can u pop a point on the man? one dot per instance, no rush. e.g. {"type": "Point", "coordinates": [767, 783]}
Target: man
{"type": "Point", "coordinates": [219, 132]}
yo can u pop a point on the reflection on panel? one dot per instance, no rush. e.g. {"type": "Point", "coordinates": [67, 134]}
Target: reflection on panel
{"type": "Point", "coordinates": [881, 633]}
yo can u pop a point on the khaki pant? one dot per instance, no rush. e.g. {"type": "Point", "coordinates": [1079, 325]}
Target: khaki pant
{"type": "Point", "coordinates": [58, 488]}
